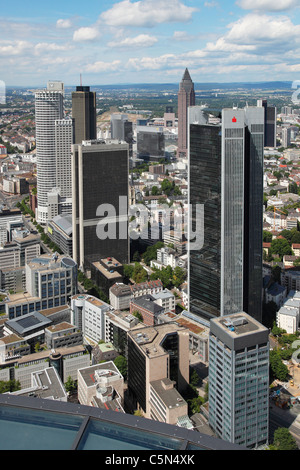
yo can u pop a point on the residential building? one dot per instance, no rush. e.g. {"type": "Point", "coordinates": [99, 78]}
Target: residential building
{"type": "Point", "coordinates": [226, 188]}
{"type": "Point", "coordinates": [166, 300]}
{"type": "Point", "coordinates": [239, 380]}
{"type": "Point", "coordinates": [147, 308]}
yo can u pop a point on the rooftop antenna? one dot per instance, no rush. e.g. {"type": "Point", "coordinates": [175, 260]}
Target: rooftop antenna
{"type": "Point", "coordinates": [80, 80]}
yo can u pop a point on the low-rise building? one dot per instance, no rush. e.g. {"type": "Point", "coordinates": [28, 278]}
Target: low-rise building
{"type": "Point", "coordinates": [147, 308]}
{"type": "Point", "coordinates": [120, 296]}
{"type": "Point", "coordinates": [102, 386]}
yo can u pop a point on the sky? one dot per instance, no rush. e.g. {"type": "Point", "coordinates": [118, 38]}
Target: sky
{"type": "Point", "coordinates": [148, 41]}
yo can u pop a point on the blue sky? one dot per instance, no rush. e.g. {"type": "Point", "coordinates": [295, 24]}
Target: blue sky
{"type": "Point", "coordinates": [149, 41]}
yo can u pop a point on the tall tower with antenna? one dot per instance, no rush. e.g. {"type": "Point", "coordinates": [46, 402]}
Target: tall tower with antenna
{"type": "Point", "coordinates": [84, 113]}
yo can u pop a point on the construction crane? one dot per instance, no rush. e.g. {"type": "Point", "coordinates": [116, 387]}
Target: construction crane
{"type": "Point", "coordinates": [276, 210]}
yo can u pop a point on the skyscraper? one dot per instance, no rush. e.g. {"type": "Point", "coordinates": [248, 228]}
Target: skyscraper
{"type": "Point", "coordinates": [186, 98]}
{"type": "Point", "coordinates": [226, 177]}
{"type": "Point", "coordinates": [270, 123]}
{"type": "Point", "coordinates": [48, 108]}
{"type": "Point", "coordinates": [99, 178]}
{"type": "Point", "coordinates": [239, 380]}
{"type": "Point", "coordinates": [84, 114]}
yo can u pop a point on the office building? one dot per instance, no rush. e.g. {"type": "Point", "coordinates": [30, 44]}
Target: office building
{"type": "Point", "coordinates": [286, 136]}
{"type": "Point", "coordinates": [84, 114]}
{"type": "Point", "coordinates": [51, 280]}
{"type": "Point", "coordinates": [158, 364]}
{"type": "Point", "coordinates": [59, 230]}
{"type": "Point", "coordinates": [122, 129]}
{"type": "Point", "coordinates": [48, 109]}
{"type": "Point", "coordinates": [88, 314]}
{"type": "Point", "coordinates": [101, 386]}
{"type": "Point", "coordinates": [100, 202]}
{"type": "Point", "coordinates": [226, 182]}
{"type": "Point", "coordinates": [239, 380]}
{"type": "Point", "coordinates": [186, 98]}
{"type": "Point", "coordinates": [64, 131]}
{"type": "Point", "coordinates": [150, 143]}
{"type": "Point", "coordinates": [270, 123]}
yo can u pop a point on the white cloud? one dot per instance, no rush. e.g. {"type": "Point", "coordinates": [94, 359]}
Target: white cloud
{"type": "Point", "coordinates": [256, 28]}
{"type": "Point", "coordinates": [147, 13]}
{"type": "Point", "coordinates": [13, 48]}
{"type": "Point", "coordinates": [86, 34]}
{"type": "Point", "coordinates": [142, 40]}
{"type": "Point", "coordinates": [267, 5]}
{"type": "Point", "coordinates": [182, 36]}
{"type": "Point", "coordinates": [211, 4]}
{"type": "Point", "coordinates": [63, 24]}
{"type": "Point", "coordinates": [100, 66]}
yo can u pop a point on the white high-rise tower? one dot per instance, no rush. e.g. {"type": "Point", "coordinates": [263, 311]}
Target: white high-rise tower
{"type": "Point", "coordinates": [48, 108]}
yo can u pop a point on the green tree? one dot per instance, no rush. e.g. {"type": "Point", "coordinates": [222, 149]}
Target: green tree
{"type": "Point", "coordinates": [121, 363]}
{"type": "Point", "coordinates": [70, 385]}
{"type": "Point", "coordinates": [283, 440]}
{"type": "Point", "coordinates": [281, 247]}
{"type": "Point", "coordinates": [278, 369]}
{"type": "Point", "coordinates": [267, 236]}
{"type": "Point", "coordinates": [9, 386]}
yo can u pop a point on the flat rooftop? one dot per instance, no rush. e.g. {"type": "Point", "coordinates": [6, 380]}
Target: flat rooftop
{"type": "Point", "coordinates": [88, 373]}
{"type": "Point", "coordinates": [239, 324]}
{"type": "Point", "coordinates": [107, 272]}
{"type": "Point", "coordinates": [149, 338]}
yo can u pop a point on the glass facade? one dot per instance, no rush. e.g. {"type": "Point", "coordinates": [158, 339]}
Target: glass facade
{"type": "Point", "coordinates": [205, 189]}
{"type": "Point", "coordinates": [226, 177]}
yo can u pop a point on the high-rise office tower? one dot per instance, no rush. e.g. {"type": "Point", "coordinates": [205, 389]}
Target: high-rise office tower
{"type": "Point", "coordinates": [122, 129]}
{"type": "Point", "coordinates": [48, 108]}
{"type": "Point", "coordinates": [186, 98]}
{"type": "Point", "coordinates": [270, 123]}
{"type": "Point", "coordinates": [239, 380]}
{"type": "Point", "coordinates": [99, 179]}
{"type": "Point", "coordinates": [84, 114]}
{"type": "Point", "coordinates": [64, 132]}
{"type": "Point", "coordinates": [226, 179]}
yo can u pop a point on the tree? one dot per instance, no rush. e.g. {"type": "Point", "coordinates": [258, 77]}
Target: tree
{"type": "Point", "coordinates": [278, 369]}
{"type": "Point", "coordinates": [267, 236]}
{"type": "Point", "coordinates": [281, 247]}
{"type": "Point", "coordinates": [283, 440]}
{"type": "Point", "coordinates": [121, 363]}
{"type": "Point", "coordinates": [70, 385]}
{"type": "Point", "coordinates": [9, 386]}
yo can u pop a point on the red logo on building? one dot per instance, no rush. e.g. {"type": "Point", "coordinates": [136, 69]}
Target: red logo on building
{"type": "Point", "coordinates": [234, 119]}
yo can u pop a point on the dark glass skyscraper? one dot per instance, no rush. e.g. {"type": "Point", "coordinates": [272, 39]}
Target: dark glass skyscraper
{"type": "Point", "coordinates": [99, 179]}
{"type": "Point", "coordinates": [84, 114]}
{"type": "Point", "coordinates": [226, 177]}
